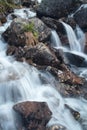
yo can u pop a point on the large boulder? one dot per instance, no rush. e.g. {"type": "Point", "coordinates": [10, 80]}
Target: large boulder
{"type": "Point", "coordinates": [81, 17]}
{"type": "Point", "coordinates": [56, 8]}
{"type": "Point", "coordinates": [42, 55]}
{"type": "Point", "coordinates": [35, 115]}
{"type": "Point", "coordinates": [19, 33]}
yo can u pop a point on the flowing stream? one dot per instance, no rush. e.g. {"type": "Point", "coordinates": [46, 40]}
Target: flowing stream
{"type": "Point", "coordinates": [21, 82]}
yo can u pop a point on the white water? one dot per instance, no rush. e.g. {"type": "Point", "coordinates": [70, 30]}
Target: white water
{"type": "Point", "coordinates": [74, 43]}
{"type": "Point", "coordinates": [21, 82]}
{"type": "Point", "coordinates": [80, 37]}
{"type": "Point", "coordinates": [55, 39]}
{"type": "Point", "coordinates": [25, 13]}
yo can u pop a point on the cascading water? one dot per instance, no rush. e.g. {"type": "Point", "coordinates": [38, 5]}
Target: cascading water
{"type": "Point", "coordinates": [55, 39]}
{"type": "Point", "coordinates": [74, 44]}
{"type": "Point", "coordinates": [80, 37]}
{"type": "Point", "coordinates": [21, 82]}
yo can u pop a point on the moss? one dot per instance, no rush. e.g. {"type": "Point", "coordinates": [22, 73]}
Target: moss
{"type": "Point", "coordinates": [6, 6]}
{"type": "Point", "coordinates": [31, 28]}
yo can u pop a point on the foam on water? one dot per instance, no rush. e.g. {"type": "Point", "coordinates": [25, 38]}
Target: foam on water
{"type": "Point", "coordinates": [21, 82]}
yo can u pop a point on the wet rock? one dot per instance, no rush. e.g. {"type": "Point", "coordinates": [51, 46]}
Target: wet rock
{"type": "Point", "coordinates": [76, 114]}
{"type": "Point", "coordinates": [35, 115]}
{"type": "Point", "coordinates": [57, 25]}
{"type": "Point", "coordinates": [75, 59]}
{"type": "Point", "coordinates": [21, 37]}
{"type": "Point", "coordinates": [56, 8]}
{"type": "Point", "coordinates": [42, 55]}
{"type": "Point", "coordinates": [65, 75]}
{"type": "Point", "coordinates": [71, 22]}
{"type": "Point", "coordinates": [57, 127]}
{"type": "Point", "coordinates": [3, 18]}
{"type": "Point", "coordinates": [21, 31]}
{"type": "Point", "coordinates": [54, 24]}
{"type": "Point", "coordinates": [81, 18]}
{"type": "Point", "coordinates": [44, 32]}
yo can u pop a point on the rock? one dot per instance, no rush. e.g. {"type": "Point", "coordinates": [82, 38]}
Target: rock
{"type": "Point", "coordinates": [44, 32]}
{"type": "Point", "coordinates": [81, 17]}
{"type": "Point", "coordinates": [42, 55]}
{"type": "Point", "coordinates": [58, 26]}
{"type": "Point", "coordinates": [65, 75]}
{"type": "Point", "coordinates": [39, 54]}
{"type": "Point", "coordinates": [76, 60]}
{"type": "Point", "coordinates": [35, 115]}
{"type": "Point", "coordinates": [28, 3]}
{"type": "Point", "coordinates": [30, 39]}
{"type": "Point", "coordinates": [18, 52]}
{"type": "Point", "coordinates": [57, 127]}
{"type": "Point", "coordinates": [3, 18]}
{"type": "Point", "coordinates": [54, 24]}
{"type": "Point", "coordinates": [22, 32]}
{"type": "Point", "coordinates": [76, 114]}
{"type": "Point", "coordinates": [56, 8]}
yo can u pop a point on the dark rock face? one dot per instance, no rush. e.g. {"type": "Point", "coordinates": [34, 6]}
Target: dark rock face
{"type": "Point", "coordinates": [35, 115]}
{"type": "Point", "coordinates": [21, 37]}
{"type": "Point", "coordinates": [76, 60]}
{"type": "Point", "coordinates": [28, 3]}
{"type": "Point", "coordinates": [56, 8]}
{"type": "Point", "coordinates": [81, 18]}
{"type": "Point", "coordinates": [42, 55]}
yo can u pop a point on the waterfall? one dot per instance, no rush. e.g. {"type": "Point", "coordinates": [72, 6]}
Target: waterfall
{"type": "Point", "coordinates": [21, 82]}
{"type": "Point", "coordinates": [80, 37]}
{"type": "Point", "coordinates": [55, 40]}
{"type": "Point", "coordinates": [74, 43]}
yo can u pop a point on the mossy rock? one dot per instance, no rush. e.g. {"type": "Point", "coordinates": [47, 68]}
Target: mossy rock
{"type": "Point", "coordinates": [31, 28]}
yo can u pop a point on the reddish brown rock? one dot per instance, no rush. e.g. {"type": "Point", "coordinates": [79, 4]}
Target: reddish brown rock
{"type": "Point", "coordinates": [30, 39]}
{"type": "Point", "coordinates": [23, 32]}
{"type": "Point", "coordinates": [65, 75]}
{"type": "Point", "coordinates": [3, 18]}
{"type": "Point", "coordinates": [35, 115]}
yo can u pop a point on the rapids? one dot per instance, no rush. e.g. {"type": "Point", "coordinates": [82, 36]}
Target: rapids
{"type": "Point", "coordinates": [21, 82]}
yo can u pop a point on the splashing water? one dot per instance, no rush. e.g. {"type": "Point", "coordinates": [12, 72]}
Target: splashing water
{"type": "Point", "coordinates": [21, 82]}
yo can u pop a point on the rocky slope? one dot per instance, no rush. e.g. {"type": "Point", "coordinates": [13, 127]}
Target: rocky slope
{"type": "Point", "coordinates": [29, 40]}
